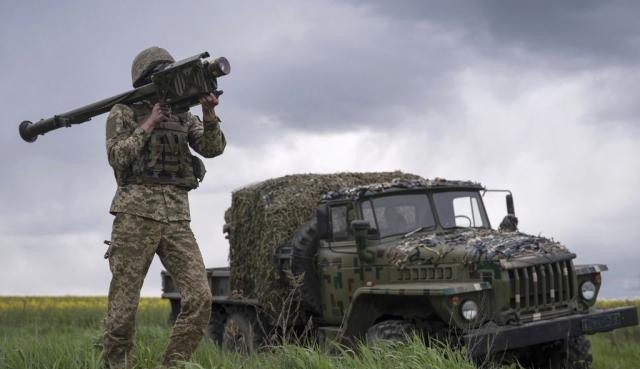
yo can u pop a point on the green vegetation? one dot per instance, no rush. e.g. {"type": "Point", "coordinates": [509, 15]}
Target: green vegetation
{"type": "Point", "coordinates": [65, 332]}
{"type": "Point", "coordinates": [617, 349]}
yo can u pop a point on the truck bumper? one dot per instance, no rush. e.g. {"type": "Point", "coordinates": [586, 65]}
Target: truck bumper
{"type": "Point", "coordinates": [493, 338]}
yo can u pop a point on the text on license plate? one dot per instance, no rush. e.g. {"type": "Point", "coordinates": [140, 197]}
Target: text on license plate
{"type": "Point", "coordinates": [597, 323]}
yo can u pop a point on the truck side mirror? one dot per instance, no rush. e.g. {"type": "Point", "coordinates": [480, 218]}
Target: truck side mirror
{"type": "Point", "coordinates": [510, 209]}
{"type": "Point", "coordinates": [360, 228]}
{"type": "Point", "coordinates": [323, 216]}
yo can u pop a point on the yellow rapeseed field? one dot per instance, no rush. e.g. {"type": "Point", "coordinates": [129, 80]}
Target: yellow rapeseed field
{"type": "Point", "coordinates": [68, 302]}
{"type": "Point", "coordinates": [85, 312]}
{"type": "Point", "coordinates": [608, 304]}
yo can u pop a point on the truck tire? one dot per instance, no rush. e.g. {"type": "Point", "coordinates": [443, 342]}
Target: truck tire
{"type": "Point", "coordinates": [390, 330]}
{"type": "Point", "coordinates": [215, 329]}
{"type": "Point", "coordinates": [572, 353]}
{"type": "Point", "coordinates": [305, 247]}
{"type": "Point", "coordinates": [242, 332]}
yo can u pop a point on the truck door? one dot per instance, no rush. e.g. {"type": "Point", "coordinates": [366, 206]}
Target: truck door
{"type": "Point", "coordinates": [336, 258]}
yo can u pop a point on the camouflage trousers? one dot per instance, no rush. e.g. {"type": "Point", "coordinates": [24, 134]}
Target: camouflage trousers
{"type": "Point", "coordinates": [134, 242]}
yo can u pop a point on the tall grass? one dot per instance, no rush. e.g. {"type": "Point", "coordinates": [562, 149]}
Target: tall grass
{"type": "Point", "coordinates": [386, 355]}
{"type": "Point", "coordinates": [619, 349]}
{"type": "Point", "coordinates": [65, 332]}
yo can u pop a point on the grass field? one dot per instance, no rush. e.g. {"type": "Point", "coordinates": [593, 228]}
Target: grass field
{"type": "Point", "coordinates": [620, 348]}
{"type": "Point", "coordinates": [65, 332]}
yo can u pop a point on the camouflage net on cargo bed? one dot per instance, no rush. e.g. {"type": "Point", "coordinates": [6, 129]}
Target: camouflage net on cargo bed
{"type": "Point", "coordinates": [480, 245]}
{"type": "Point", "coordinates": [265, 215]}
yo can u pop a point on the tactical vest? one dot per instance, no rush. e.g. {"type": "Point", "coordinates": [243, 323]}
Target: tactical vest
{"type": "Point", "coordinates": [165, 157]}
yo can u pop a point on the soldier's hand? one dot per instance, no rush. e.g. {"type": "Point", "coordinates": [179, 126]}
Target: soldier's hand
{"type": "Point", "coordinates": [158, 115]}
{"type": "Point", "coordinates": [209, 102]}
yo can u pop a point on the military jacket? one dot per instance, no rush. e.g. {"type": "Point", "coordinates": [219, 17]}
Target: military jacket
{"type": "Point", "coordinates": [125, 142]}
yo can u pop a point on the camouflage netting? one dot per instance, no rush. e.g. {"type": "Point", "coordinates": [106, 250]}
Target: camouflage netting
{"type": "Point", "coordinates": [265, 215]}
{"type": "Point", "coordinates": [404, 183]}
{"type": "Point", "coordinates": [480, 245]}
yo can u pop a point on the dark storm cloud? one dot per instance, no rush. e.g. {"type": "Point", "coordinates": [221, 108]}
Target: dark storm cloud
{"type": "Point", "coordinates": [359, 77]}
{"type": "Point", "coordinates": [401, 58]}
{"type": "Point", "coordinates": [580, 32]}
{"type": "Point", "coordinates": [347, 70]}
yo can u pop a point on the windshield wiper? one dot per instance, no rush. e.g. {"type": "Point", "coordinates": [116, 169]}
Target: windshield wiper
{"type": "Point", "coordinates": [416, 230]}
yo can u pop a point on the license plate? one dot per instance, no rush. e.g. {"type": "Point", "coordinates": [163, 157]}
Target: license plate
{"type": "Point", "coordinates": [600, 322]}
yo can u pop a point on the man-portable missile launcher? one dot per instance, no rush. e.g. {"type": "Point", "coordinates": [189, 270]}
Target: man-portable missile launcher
{"type": "Point", "coordinates": [177, 85]}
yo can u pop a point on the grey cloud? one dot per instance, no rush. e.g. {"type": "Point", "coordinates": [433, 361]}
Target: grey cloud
{"type": "Point", "coordinates": [311, 91]}
{"type": "Point", "coordinates": [62, 264]}
{"type": "Point", "coordinates": [622, 279]}
{"type": "Point", "coordinates": [329, 84]}
{"type": "Point", "coordinates": [304, 68]}
{"type": "Point", "coordinates": [573, 33]}
{"type": "Point", "coordinates": [618, 107]}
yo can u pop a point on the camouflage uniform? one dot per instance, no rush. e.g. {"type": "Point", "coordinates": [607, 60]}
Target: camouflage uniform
{"type": "Point", "coordinates": [154, 219]}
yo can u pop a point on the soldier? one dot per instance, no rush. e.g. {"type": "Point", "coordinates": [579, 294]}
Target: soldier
{"type": "Point", "coordinates": [148, 148]}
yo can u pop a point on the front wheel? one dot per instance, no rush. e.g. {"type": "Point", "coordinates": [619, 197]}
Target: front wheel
{"type": "Point", "coordinates": [390, 330]}
{"type": "Point", "coordinates": [572, 353]}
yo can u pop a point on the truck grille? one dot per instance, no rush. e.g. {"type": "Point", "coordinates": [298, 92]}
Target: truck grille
{"type": "Point", "coordinates": [539, 288]}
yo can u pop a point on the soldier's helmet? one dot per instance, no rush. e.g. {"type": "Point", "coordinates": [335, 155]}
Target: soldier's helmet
{"type": "Point", "coordinates": [146, 61]}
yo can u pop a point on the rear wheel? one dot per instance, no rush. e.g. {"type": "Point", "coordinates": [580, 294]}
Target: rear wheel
{"type": "Point", "coordinates": [391, 330]}
{"type": "Point", "coordinates": [243, 332]}
{"type": "Point", "coordinates": [215, 329]}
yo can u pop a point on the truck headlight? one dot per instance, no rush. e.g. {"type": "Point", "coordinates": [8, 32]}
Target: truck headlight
{"type": "Point", "coordinates": [469, 310]}
{"type": "Point", "coordinates": [588, 290]}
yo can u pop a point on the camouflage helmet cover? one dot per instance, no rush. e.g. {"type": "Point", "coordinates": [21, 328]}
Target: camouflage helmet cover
{"type": "Point", "coordinates": [146, 60]}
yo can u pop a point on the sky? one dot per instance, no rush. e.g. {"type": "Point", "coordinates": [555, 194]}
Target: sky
{"type": "Point", "coordinates": [540, 98]}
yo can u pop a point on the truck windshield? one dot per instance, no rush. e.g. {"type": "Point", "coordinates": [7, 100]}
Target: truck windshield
{"type": "Point", "coordinates": [399, 214]}
{"type": "Point", "coordinates": [460, 209]}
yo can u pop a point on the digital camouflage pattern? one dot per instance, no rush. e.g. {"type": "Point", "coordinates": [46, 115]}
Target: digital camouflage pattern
{"type": "Point", "coordinates": [165, 157]}
{"type": "Point", "coordinates": [125, 141]}
{"type": "Point", "coordinates": [154, 219]}
{"type": "Point", "coordinates": [134, 242]}
{"type": "Point", "coordinates": [479, 245]}
{"type": "Point", "coordinates": [265, 215]}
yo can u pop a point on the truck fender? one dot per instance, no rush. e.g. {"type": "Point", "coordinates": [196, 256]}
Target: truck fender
{"type": "Point", "coordinates": [370, 304]}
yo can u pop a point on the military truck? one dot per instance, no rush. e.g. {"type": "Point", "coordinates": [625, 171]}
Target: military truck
{"type": "Point", "coordinates": [410, 255]}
